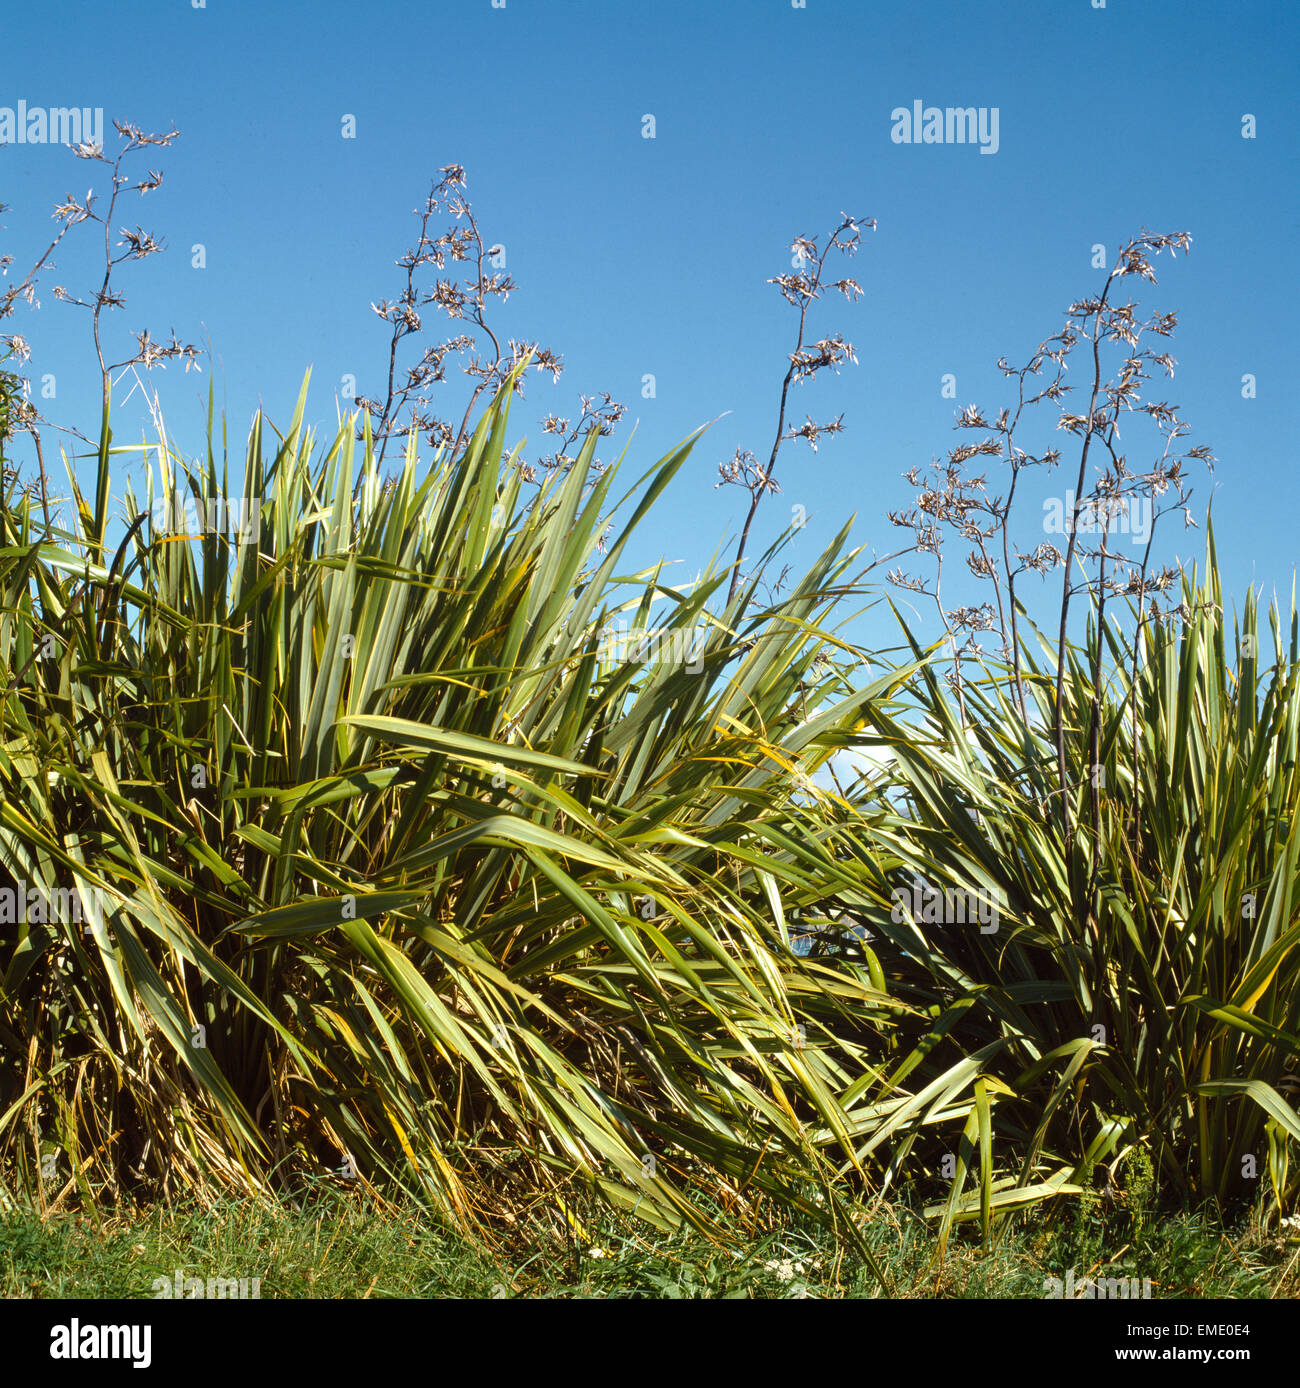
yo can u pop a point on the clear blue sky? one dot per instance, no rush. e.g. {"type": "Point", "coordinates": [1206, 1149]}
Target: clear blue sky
{"type": "Point", "coordinates": [638, 256]}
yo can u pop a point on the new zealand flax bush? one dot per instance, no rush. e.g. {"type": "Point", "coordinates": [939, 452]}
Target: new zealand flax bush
{"type": "Point", "coordinates": [1136, 991]}
{"type": "Point", "coordinates": [389, 863]}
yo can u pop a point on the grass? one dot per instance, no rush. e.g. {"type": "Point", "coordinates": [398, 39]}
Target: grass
{"type": "Point", "coordinates": [332, 1245]}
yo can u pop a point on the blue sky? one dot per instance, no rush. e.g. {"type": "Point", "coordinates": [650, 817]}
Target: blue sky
{"type": "Point", "coordinates": [640, 256]}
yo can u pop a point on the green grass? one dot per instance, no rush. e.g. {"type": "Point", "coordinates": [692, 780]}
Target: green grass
{"type": "Point", "coordinates": [335, 1246]}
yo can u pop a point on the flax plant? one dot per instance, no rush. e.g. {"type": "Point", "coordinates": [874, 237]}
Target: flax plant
{"type": "Point", "coordinates": [391, 867]}
{"type": "Point", "coordinates": [1164, 1019]}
